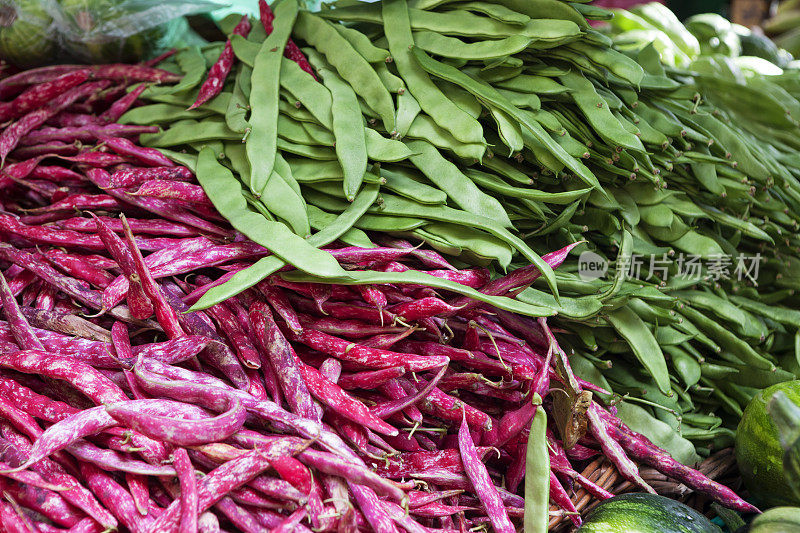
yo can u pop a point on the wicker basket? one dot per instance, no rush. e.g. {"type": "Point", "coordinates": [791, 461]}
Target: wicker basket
{"type": "Point", "coordinates": [720, 467]}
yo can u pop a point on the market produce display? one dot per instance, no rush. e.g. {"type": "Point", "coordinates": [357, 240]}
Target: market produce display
{"type": "Point", "coordinates": [405, 264]}
{"type": "Point", "coordinates": [563, 138]}
{"type": "Point", "coordinates": [387, 386]}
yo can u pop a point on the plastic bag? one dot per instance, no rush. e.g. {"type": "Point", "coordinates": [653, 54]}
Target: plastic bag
{"type": "Point", "coordinates": [33, 32]}
{"type": "Point", "coordinates": [26, 37]}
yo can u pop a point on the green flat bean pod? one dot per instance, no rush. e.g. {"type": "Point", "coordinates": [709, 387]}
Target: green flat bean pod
{"type": "Point", "coordinates": [546, 9]}
{"type": "Point", "coordinates": [495, 11]}
{"type": "Point", "coordinates": [541, 85]}
{"type": "Point", "coordinates": [239, 103]}
{"type": "Point", "coordinates": [462, 241]}
{"type": "Point", "coordinates": [493, 183]}
{"type": "Point", "coordinates": [350, 65]}
{"type": "Point", "coordinates": [320, 153]}
{"type": "Point", "coordinates": [400, 181]}
{"type": "Point", "coordinates": [461, 190]}
{"type": "Point", "coordinates": [269, 265]}
{"type": "Point", "coordinates": [286, 199]}
{"type": "Point", "coordinates": [186, 131]}
{"type": "Point", "coordinates": [193, 65]}
{"type": "Point", "coordinates": [263, 139]}
{"type": "Point", "coordinates": [644, 345]}
{"type": "Point", "coordinates": [362, 44]}
{"type": "Point", "coordinates": [508, 130]}
{"type": "Point", "coordinates": [537, 474]}
{"type": "Point", "coordinates": [424, 128]}
{"type": "Point", "coordinates": [408, 110]}
{"type": "Point", "coordinates": [416, 277]}
{"type": "Point", "coordinates": [507, 170]}
{"type": "Point", "coordinates": [431, 100]}
{"type": "Point", "coordinates": [488, 94]}
{"type": "Point", "coordinates": [156, 114]}
{"type": "Point", "coordinates": [380, 148]}
{"type": "Point", "coordinates": [522, 99]}
{"type": "Point", "coordinates": [397, 206]}
{"type": "Point", "coordinates": [441, 45]}
{"type": "Point", "coordinates": [597, 113]}
{"type": "Point", "coordinates": [274, 236]}
{"type": "Point", "coordinates": [320, 219]}
{"type": "Point", "coordinates": [348, 128]}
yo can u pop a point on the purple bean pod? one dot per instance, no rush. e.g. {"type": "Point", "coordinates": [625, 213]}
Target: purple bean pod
{"type": "Point", "coordinates": [41, 94]}
{"type": "Point", "coordinates": [518, 279]}
{"type": "Point", "coordinates": [279, 355]}
{"type": "Point", "coordinates": [345, 328]}
{"type": "Point", "coordinates": [162, 208]}
{"type": "Point", "coordinates": [372, 507]}
{"type": "Point", "coordinates": [76, 494]}
{"type": "Point", "coordinates": [612, 449]}
{"type": "Point", "coordinates": [118, 108]}
{"type": "Point", "coordinates": [278, 300]}
{"type": "Point", "coordinates": [110, 460]}
{"type": "Point", "coordinates": [189, 498]}
{"type": "Point", "coordinates": [10, 85]}
{"type": "Point", "coordinates": [147, 156]}
{"type": "Point", "coordinates": [165, 314]}
{"type": "Point", "coordinates": [11, 135]}
{"type": "Point", "coordinates": [19, 326]}
{"type": "Point", "coordinates": [369, 379]}
{"type": "Point", "coordinates": [137, 486]}
{"type": "Point", "coordinates": [86, 133]}
{"type": "Point", "coordinates": [65, 283]}
{"type": "Point", "coordinates": [386, 409]}
{"type": "Point", "coordinates": [645, 451]}
{"type": "Point", "coordinates": [63, 433]}
{"type": "Point", "coordinates": [229, 324]}
{"type": "Point", "coordinates": [223, 479]}
{"type": "Point", "coordinates": [133, 73]}
{"type": "Point", "coordinates": [212, 86]}
{"type": "Point", "coordinates": [45, 502]}
{"type": "Point", "coordinates": [138, 226]}
{"type": "Point", "coordinates": [114, 497]}
{"type": "Point", "coordinates": [81, 376]}
{"type": "Point", "coordinates": [165, 421]}
{"type": "Point", "coordinates": [218, 354]}
{"type": "Point", "coordinates": [116, 290]}
{"type": "Point", "coordinates": [429, 258]}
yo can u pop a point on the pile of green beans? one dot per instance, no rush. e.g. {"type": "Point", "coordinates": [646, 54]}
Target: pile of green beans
{"type": "Point", "coordinates": [494, 131]}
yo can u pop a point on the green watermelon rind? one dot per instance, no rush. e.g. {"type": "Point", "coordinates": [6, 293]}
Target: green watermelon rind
{"type": "Point", "coordinates": [645, 513]}
{"type": "Point", "coordinates": [758, 451]}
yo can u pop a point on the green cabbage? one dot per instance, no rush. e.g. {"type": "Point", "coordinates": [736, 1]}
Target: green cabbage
{"type": "Point", "coordinates": [26, 36]}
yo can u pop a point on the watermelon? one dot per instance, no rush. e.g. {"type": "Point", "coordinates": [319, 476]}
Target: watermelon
{"type": "Point", "coordinates": [645, 513]}
{"type": "Point", "coordinates": [759, 452]}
